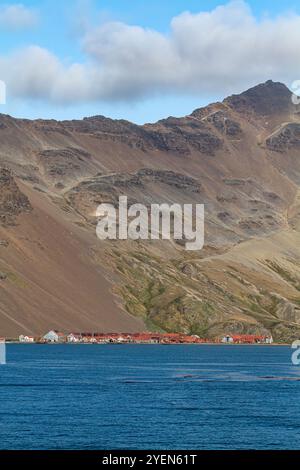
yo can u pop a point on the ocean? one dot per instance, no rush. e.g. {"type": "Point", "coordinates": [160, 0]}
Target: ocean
{"type": "Point", "coordinates": [149, 397]}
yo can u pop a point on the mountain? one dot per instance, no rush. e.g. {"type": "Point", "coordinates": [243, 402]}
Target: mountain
{"type": "Point", "coordinates": [241, 158]}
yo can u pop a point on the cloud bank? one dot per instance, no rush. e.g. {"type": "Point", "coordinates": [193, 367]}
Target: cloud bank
{"type": "Point", "coordinates": [210, 52]}
{"type": "Point", "coordinates": [17, 17]}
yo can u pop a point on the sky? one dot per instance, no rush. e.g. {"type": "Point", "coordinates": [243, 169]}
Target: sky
{"type": "Point", "coordinates": [141, 60]}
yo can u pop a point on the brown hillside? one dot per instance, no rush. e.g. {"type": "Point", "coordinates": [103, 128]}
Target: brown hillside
{"type": "Point", "coordinates": [240, 158]}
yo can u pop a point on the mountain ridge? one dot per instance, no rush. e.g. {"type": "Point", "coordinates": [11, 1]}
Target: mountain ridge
{"type": "Point", "coordinates": [257, 92]}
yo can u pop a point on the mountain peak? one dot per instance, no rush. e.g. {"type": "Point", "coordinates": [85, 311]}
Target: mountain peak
{"type": "Point", "coordinates": [264, 99]}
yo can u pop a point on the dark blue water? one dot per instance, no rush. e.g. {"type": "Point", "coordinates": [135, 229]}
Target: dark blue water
{"type": "Point", "coordinates": [149, 397]}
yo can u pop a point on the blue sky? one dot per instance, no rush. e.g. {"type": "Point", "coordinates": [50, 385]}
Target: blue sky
{"type": "Point", "coordinates": [86, 78]}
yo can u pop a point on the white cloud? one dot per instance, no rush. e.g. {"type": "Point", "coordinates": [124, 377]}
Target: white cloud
{"type": "Point", "coordinates": [16, 17]}
{"type": "Point", "coordinates": [223, 50]}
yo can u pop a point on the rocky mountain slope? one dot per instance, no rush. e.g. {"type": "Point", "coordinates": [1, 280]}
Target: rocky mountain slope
{"type": "Point", "coordinates": [241, 158]}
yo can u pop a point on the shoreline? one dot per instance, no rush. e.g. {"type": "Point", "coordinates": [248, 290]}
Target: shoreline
{"type": "Point", "coordinates": [58, 337]}
{"type": "Point", "coordinates": [146, 344]}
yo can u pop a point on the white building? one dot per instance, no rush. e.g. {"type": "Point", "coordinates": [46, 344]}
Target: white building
{"type": "Point", "coordinates": [53, 337]}
{"type": "Point", "coordinates": [71, 338]}
{"type": "Point", "coordinates": [26, 339]}
{"type": "Point", "coordinates": [227, 339]}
